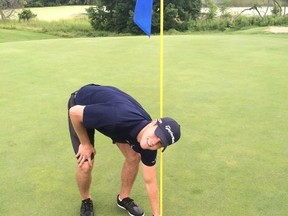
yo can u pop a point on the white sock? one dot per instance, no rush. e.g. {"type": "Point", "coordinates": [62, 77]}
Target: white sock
{"type": "Point", "coordinates": [119, 198]}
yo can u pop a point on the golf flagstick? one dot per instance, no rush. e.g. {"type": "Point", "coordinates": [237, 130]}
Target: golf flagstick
{"type": "Point", "coordinates": [161, 95]}
{"type": "Point", "coordinates": [143, 18]}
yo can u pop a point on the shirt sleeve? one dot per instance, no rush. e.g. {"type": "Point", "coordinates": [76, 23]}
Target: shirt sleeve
{"type": "Point", "coordinates": [148, 157]}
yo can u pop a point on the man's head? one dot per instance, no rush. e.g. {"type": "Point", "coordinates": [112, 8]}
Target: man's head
{"type": "Point", "coordinates": [159, 133]}
{"type": "Point", "coordinates": [168, 130]}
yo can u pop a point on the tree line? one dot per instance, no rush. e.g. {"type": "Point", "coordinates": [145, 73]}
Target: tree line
{"type": "Point", "coordinates": [117, 15]}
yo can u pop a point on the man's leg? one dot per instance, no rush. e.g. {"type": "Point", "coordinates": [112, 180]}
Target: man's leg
{"type": "Point", "coordinates": [84, 179]}
{"type": "Point", "coordinates": [128, 176]}
{"type": "Point", "coordinates": [84, 173]}
{"type": "Point", "coordinates": [129, 169]}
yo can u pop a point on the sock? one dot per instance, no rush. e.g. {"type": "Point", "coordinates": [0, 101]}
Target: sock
{"type": "Point", "coordinates": [119, 198]}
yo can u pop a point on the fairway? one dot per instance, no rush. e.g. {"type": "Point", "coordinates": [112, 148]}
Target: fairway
{"type": "Point", "coordinates": [228, 91]}
{"type": "Point", "coordinates": [59, 12]}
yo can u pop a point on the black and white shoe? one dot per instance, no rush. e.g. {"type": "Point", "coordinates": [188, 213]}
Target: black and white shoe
{"type": "Point", "coordinates": [86, 208]}
{"type": "Point", "coordinates": [129, 205]}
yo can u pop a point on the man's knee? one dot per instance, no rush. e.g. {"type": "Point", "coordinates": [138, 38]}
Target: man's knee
{"type": "Point", "coordinates": [85, 168]}
{"type": "Point", "coordinates": [133, 158]}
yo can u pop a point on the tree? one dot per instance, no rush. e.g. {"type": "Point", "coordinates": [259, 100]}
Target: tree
{"type": "Point", "coordinates": [188, 9]}
{"type": "Point", "coordinates": [285, 5]}
{"type": "Point", "coordinates": [223, 6]}
{"type": "Point", "coordinates": [277, 9]}
{"type": "Point", "coordinates": [212, 12]}
{"type": "Point", "coordinates": [26, 15]}
{"type": "Point", "coordinates": [109, 15]}
{"type": "Point", "coordinates": [183, 10]}
{"type": "Point", "coordinates": [254, 7]}
{"type": "Point", "coordinates": [8, 7]}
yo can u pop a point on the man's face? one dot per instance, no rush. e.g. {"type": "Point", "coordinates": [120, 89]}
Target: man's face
{"type": "Point", "coordinates": [149, 140]}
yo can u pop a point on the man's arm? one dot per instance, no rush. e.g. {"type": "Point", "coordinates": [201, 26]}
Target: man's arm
{"type": "Point", "coordinates": [150, 180]}
{"type": "Point", "coordinates": [85, 148]}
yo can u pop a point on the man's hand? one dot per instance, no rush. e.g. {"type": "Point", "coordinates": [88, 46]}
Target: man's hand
{"type": "Point", "coordinates": [85, 152]}
{"type": "Point", "coordinates": [86, 149]}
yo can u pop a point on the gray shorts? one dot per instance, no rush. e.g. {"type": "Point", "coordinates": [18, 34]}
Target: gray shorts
{"type": "Point", "coordinates": [74, 138]}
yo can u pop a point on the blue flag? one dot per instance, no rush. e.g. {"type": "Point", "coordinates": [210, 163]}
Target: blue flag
{"type": "Point", "coordinates": [143, 15]}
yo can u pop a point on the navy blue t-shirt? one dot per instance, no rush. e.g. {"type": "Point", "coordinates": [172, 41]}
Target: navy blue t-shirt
{"type": "Point", "coordinates": [115, 114]}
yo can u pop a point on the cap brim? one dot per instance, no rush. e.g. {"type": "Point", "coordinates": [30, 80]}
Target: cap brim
{"type": "Point", "coordinates": [164, 149]}
{"type": "Point", "coordinates": [160, 134]}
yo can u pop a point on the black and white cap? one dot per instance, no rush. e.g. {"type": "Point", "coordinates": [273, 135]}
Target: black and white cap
{"type": "Point", "coordinates": [168, 131]}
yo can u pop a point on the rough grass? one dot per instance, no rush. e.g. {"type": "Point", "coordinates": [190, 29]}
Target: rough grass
{"type": "Point", "coordinates": [18, 35]}
{"type": "Point", "coordinates": [67, 28]}
{"type": "Point", "coordinates": [227, 91]}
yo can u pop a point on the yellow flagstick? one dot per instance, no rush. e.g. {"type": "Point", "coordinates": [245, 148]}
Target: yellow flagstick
{"type": "Point", "coordinates": [161, 95]}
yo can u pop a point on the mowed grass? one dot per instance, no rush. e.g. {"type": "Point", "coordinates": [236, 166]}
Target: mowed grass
{"type": "Point", "coordinates": [229, 93]}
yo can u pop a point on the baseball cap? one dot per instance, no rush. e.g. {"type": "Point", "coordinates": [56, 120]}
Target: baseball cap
{"type": "Point", "coordinates": [168, 131]}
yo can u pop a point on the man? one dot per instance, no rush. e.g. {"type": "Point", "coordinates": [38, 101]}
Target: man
{"type": "Point", "coordinates": [120, 117]}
